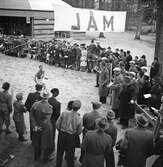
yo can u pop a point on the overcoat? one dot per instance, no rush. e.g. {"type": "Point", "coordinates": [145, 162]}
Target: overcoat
{"type": "Point", "coordinates": [116, 88]}
{"type": "Point", "coordinates": [140, 147]}
{"type": "Point", "coordinates": [40, 115]}
{"type": "Point", "coordinates": [104, 77]}
{"type": "Point", "coordinates": [18, 116]}
{"type": "Point", "coordinates": [31, 99]}
{"type": "Point", "coordinates": [96, 147]}
{"type": "Point", "coordinates": [125, 107]}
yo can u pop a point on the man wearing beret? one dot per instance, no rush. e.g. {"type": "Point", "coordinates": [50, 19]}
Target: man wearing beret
{"type": "Point", "coordinates": [69, 124]}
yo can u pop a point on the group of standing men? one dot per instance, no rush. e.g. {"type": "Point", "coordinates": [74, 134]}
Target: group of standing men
{"type": "Point", "coordinates": [99, 132]}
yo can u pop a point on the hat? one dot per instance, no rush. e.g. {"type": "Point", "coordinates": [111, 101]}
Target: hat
{"type": "Point", "coordinates": [55, 92]}
{"type": "Point", "coordinates": [146, 74]}
{"type": "Point", "coordinates": [132, 62]}
{"type": "Point", "coordinates": [83, 45]}
{"type": "Point", "coordinates": [110, 115]}
{"type": "Point", "coordinates": [103, 58]}
{"type": "Point", "coordinates": [132, 73]}
{"type": "Point", "coordinates": [96, 105]}
{"type": "Point", "coordinates": [76, 104]}
{"type": "Point", "coordinates": [19, 96]}
{"type": "Point", "coordinates": [45, 94]}
{"type": "Point", "coordinates": [116, 69]}
{"type": "Point", "coordinates": [144, 68]}
{"type": "Point", "coordinates": [141, 120]}
{"type": "Point", "coordinates": [101, 123]}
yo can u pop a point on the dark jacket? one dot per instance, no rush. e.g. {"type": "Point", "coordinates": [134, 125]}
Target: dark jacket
{"type": "Point", "coordinates": [125, 107]}
{"type": "Point", "coordinates": [56, 108]}
{"type": "Point", "coordinates": [112, 131]}
{"type": "Point", "coordinates": [31, 99]}
{"type": "Point", "coordinates": [96, 147]}
{"type": "Point", "coordinates": [140, 147]}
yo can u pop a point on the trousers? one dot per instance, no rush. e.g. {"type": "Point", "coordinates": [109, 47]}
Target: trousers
{"type": "Point", "coordinates": [66, 143]}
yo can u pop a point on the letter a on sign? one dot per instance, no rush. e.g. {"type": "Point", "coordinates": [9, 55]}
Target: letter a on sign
{"type": "Point", "coordinates": [78, 23]}
{"type": "Point", "coordinates": [107, 24]}
{"type": "Point", "coordinates": [92, 22]}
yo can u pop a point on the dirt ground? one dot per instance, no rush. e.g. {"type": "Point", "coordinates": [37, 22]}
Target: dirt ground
{"type": "Point", "coordinates": [72, 85]}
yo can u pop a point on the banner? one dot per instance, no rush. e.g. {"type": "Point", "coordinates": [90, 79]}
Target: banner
{"type": "Point", "coordinates": [77, 19]}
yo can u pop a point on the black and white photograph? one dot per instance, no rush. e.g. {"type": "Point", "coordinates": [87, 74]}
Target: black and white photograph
{"type": "Point", "coordinates": [81, 83]}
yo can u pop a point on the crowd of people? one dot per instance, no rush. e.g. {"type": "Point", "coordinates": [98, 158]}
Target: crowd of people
{"type": "Point", "coordinates": [118, 75]}
{"type": "Point", "coordinates": [99, 133]}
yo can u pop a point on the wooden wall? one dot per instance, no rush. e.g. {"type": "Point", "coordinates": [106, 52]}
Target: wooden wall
{"type": "Point", "coordinates": [42, 21]}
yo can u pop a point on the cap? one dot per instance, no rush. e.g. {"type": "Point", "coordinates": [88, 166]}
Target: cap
{"type": "Point", "coordinates": [76, 104]}
{"type": "Point", "coordinates": [96, 105]}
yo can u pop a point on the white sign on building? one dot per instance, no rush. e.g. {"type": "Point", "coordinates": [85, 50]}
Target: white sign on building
{"type": "Point", "coordinates": [77, 19]}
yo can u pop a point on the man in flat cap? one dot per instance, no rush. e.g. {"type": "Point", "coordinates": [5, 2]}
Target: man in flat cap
{"type": "Point", "coordinates": [69, 124]}
{"type": "Point", "coordinates": [56, 110]}
{"type": "Point", "coordinates": [116, 88]}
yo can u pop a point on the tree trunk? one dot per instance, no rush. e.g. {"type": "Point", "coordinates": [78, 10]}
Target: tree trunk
{"type": "Point", "coordinates": [140, 12]}
{"type": "Point", "coordinates": [159, 34]}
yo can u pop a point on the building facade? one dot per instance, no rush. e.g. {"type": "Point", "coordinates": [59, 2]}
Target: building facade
{"type": "Point", "coordinates": [28, 17]}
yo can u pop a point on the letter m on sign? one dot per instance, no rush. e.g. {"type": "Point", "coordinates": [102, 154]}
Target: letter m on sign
{"type": "Point", "coordinates": [107, 23]}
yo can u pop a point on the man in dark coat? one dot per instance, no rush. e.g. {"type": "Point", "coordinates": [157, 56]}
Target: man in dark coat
{"type": "Point", "coordinates": [128, 59]}
{"type": "Point", "coordinates": [56, 110]}
{"type": "Point", "coordinates": [156, 90]}
{"type": "Point", "coordinates": [144, 88]}
{"type": "Point", "coordinates": [97, 146]}
{"type": "Point", "coordinates": [126, 101]}
{"type": "Point", "coordinates": [155, 68]}
{"type": "Point", "coordinates": [42, 136]}
{"type": "Point", "coordinates": [112, 131]}
{"type": "Point", "coordinates": [31, 99]}
{"type": "Point", "coordinates": [139, 144]}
